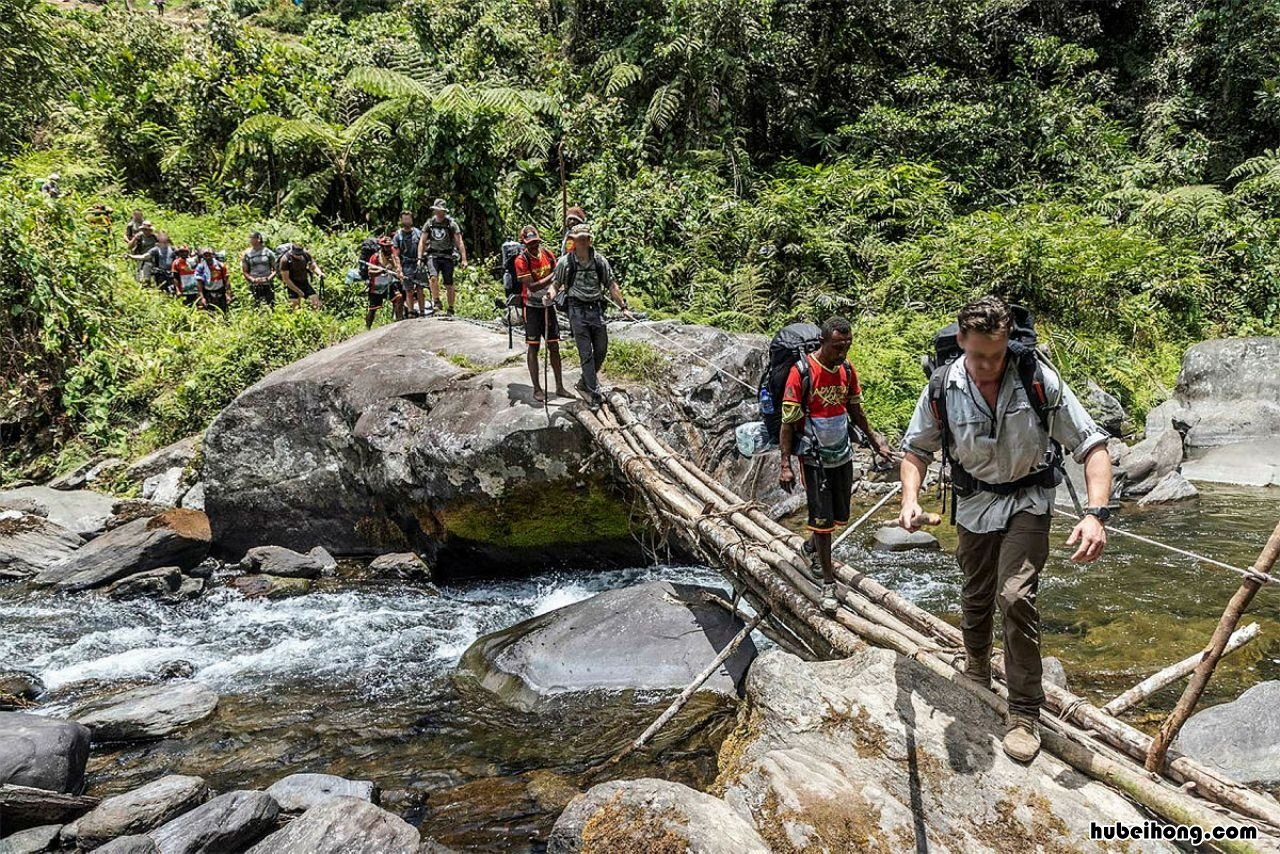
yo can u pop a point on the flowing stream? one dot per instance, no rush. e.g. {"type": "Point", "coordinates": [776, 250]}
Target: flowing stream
{"type": "Point", "coordinates": [354, 678]}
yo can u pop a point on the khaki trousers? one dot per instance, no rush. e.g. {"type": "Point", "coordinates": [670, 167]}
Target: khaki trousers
{"type": "Point", "coordinates": [1003, 568]}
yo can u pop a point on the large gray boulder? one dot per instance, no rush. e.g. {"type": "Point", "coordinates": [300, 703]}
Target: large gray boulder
{"type": "Point", "coordinates": [1106, 411]}
{"type": "Point", "coordinates": [301, 792]}
{"type": "Point", "coordinates": [230, 822]}
{"type": "Point", "coordinates": [648, 637]}
{"type": "Point", "coordinates": [148, 712]}
{"type": "Point", "coordinates": [30, 543]}
{"type": "Point", "coordinates": [1149, 461]}
{"type": "Point", "coordinates": [173, 538]}
{"type": "Point", "coordinates": [81, 510]}
{"type": "Point", "coordinates": [343, 826]}
{"type": "Point", "coordinates": [128, 845]}
{"type": "Point", "coordinates": [380, 443]}
{"type": "Point", "coordinates": [43, 753]}
{"type": "Point", "coordinates": [652, 815]}
{"type": "Point", "coordinates": [875, 752]}
{"type": "Point", "coordinates": [1228, 391]}
{"type": "Point", "coordinates": [1241, 737]}
{"type": "Point", "coordinates": [138, 811]}
{"type": "Point", "coordinates": [1253, 463]}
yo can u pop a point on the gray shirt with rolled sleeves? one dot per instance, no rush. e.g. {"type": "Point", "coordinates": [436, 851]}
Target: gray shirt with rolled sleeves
{"type": "Point", "coordinates": [1012, 448]}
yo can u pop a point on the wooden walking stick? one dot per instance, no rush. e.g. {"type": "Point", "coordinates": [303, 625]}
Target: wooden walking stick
{"type": "Point", "coordinates": [1217, 646]}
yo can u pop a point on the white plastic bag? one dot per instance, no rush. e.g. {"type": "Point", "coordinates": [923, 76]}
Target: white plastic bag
{"type": "Point", "coordinates": [753, 439]}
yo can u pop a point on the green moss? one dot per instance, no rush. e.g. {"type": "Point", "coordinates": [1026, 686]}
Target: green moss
{"type": "Point", "coordinates": [535, 515]}
{"type": "Point", "coordinates": [638, 360]}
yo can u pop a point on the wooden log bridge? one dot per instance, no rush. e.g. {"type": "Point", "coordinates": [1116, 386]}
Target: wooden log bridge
{"type": "Point", "coordinates": [764, 562]}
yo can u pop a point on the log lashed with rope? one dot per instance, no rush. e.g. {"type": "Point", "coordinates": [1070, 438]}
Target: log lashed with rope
{"type": "Point", "coordinates": [767, 557]}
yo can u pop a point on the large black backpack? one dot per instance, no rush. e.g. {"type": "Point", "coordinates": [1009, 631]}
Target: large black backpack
{"type": "Point", "coordinates": [368, 249]}
{"type": "Point", "coordinates": [787, 348]}
{"type": "Point", "coordinates": [511, 250]}
{"type": "Point", "coordinates": [1030, 364]}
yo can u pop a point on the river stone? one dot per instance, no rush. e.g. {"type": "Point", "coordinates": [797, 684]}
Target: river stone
{"type": "Point", "coordinates": [1149, 461]}
{"type": "Point", "coordinates": [341, 825]}
{"type": "Point", "coordinates": [149, 712]}
{"type": "Point", "coordinates": [73, 478]}
{"type": "Point", "coordinates": [138, 811]}
{"type": "Point", "coordinates": [30, 543]}
{"type": "Point", "coordinates": [1228, 391]}
{"type": "Point", "coordinates": [652, 815]}
{"type": "Point", "coordinates": [403, 565]}
{"type": "Point", "coordinates": [128, 845]}
{"type": "Point", "coordinates": [1106, 410]}
{"type": "Point", "coordinates": [42, 752]}
{"type": "Point", "coordinates": [19, 685]}
{"type": "Point", "coordinates": [891, 538]}
{"type": "Point", "coordinates": [1053, 673]}
{"type": "Point", "coordinates": [179, 455]}
{"type": "Point", "coordinates": [1253, 463]}
{"type": "Point", "coordinates": [230, 822]}
{"type": "Point", "coordinates": [153, 583]}
{"type": "Point", "coordinates": [286, 563]}
{"type": "Point", "coordinates": [165, 488]}
{"type": "Point", "coordinates": [34, 840]}
{"type": "Point", "coordinates": [80, 510]}
{"type": "Point", "coordinates": [301, 792]}
{"type": "Point", "coordinates": [1172, 487]}
{"type": "Point", "coordinates": [193, 498]}
{"type": "Point", "coordinates": [173, 538]}
{"type": "Point", "coordinates": [269, 586]}
{"type": "Point", "coordinates": [1241, 737]}
{"type": "Point", "coordinates": [875, 752]}
{"type": "Point", "coordinates": [652, 636]}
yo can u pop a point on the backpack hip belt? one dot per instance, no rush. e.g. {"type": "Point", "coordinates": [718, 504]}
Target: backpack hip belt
{"type": "Point", "coordinates": [966, 484]}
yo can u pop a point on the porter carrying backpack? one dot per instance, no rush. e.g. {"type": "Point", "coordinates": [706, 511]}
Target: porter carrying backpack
{"type": "Point", "coordinates": [787, 348]}
{"type": "Point", "coordinates": [511, 250]}
{"type": "Point", "coordinates": [368, 249]}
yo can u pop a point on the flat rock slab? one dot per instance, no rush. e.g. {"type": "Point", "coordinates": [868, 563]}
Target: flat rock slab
{"type": "Point", "coordinates": [173, 538]}
{"type": "Point", "coordinates": [80, 510]}
{"type": "Point", "coordinates": [269, 586]}
{"type": "Point", "coordinates": [1241, 737]}
{"type": "Point", "coordinates": [164, 488]}
{"type": "Point", "coordinates": [343, 826]}
{"type": "Point", "coordinates": [876, 752]}
{"type": "Point", "coordinates": [33, 840]}
{"type": "Point", "coordinates": [129, 845]}
{"type": "Point", "coordinates": [179, 455]}
{"type": "Point", "coordinates": [470, 344]}
{"type": "Point", "coordinates": [153, 583]}
{"type": "Point", "coordinates": [1172, 487]}
{"type": "Point", "coordinates": [149, 712]}
{"type": "Point", "coordinates": [19, 685]}
{"type": "Point", "coordinates": [647, 637]}
{"type": "Point", "coordinates": [301, 792]}
{"type": "Point", "coordinates": [1255, 463]}
{"type": "Point", "coordinates": [138, 811]}
{"type": "Point", "coordinates": [891, 538]}
{"type": "Point", "coordinates": [652, 815]}
{"type": "Point", "coordinates": [230, 822]}
{"type": "Point", "coordinates": [43, 753]}
{"type": "Point", "coordinates": [30, 544]}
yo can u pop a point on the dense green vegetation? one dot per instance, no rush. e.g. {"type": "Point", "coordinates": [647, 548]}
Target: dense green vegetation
{"type": "Point", "coordinates": [745, 162]}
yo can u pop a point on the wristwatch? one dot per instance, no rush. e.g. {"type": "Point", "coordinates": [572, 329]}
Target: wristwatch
{"type": "Point", "coordinates": [1102, 513]}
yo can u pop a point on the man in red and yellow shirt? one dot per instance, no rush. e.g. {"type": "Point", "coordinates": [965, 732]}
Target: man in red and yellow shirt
{"type": "Point", "coordinates": [822, 397]}
{"type": "Point", "coordinates": [535, 270]}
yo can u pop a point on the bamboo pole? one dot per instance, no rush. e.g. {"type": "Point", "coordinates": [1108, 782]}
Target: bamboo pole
{"type": "Point", "coordinates": [689, 691]}
{"type": "Point", "coordinates": [1217, 645]}
{"type": "Point", "coordinates": [1180, 670]}
{"type": "Point", "coordinates": [776, 632]}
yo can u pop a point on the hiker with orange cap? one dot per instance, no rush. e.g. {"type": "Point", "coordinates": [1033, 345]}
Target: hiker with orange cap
{"type": "Point", "coordinates": [385, 277]}
{"type": "Point", "coordinates": [535, 271]}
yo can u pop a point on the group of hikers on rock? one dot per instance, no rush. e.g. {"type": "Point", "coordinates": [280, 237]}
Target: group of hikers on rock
{"type": "Point", "coordinates": [201, 278]}
{"type": "Point", "coordinates": [1002, 419]}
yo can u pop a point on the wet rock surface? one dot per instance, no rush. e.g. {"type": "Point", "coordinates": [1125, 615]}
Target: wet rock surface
{"type": "Point", "coordinates": [147, 712]}
{"type": "Point", "coordinates": [138, 811]}
{"type": "Point", "coordinates": [230, 822]}
{"type": "Point", "coordinates": [31, 543]}
{"type": "Point", "coordinates": [301, 792]}
{"type": "Point", "coordinates": [341, 825]}
{"type": "Point", "coordinates": [42, 752]}
{"type": "Point", "coordinates": [173, 538]}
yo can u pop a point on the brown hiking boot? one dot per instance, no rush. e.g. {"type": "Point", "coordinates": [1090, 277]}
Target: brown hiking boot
{"type": "Point", "coordinates": [978, 669]}
{"type": "Point", "coordinates": [1022, 737]}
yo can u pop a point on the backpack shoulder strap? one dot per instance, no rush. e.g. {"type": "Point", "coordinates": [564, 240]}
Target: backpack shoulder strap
{"type": "Point", "coordinates": [1031, 375]}
{"type": "Point", "coordinates": [806, 381]}
{"type": "Point", "coordinates": [938, 402]}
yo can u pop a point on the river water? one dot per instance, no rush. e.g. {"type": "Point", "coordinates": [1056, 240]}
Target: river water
{"type": "Point", "coordinates": [354, 679]}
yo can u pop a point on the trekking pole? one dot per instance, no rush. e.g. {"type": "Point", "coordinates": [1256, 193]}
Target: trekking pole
{"type": "Point", "coordinates": [564, 188]}
{"type": "Point", "coordinates": [546, 406]}
{"type": "Point", "coordinates": [897, 487]}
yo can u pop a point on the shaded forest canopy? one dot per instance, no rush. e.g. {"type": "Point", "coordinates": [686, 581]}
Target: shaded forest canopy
{"type": "Point", "coordinates": [1113, 165]}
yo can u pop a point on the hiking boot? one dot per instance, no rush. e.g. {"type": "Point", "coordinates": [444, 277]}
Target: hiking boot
{"type": "Point", "coordinates": [449, 312]}
{"type": "Point", "coordinates": [1022, 737]}
{"type": "Point", "coordinates": [814, 565]}
{"type": "Point", "coordinates": [978, 670]}
{"type": "Point", "coordinates": [829, 603]}
{"type": "Point", "coordinates": [597, 401]}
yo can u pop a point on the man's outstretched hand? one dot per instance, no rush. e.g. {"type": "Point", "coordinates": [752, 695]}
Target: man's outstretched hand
{"type": "Point", "coordinates": [1092, 536]}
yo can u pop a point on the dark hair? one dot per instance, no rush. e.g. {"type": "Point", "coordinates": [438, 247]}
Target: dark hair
{"type": "Point", "coordinates": [836, 324]}
{"type": "Point", "coordinates": [407, 213]}
{"type": "Point", "coordinates": [255, 235]}
{"type": "Point", "coordinates": [989, 315]}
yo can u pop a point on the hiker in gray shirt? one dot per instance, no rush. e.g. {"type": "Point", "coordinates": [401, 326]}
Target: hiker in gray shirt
{"type": "Point", "coordinates": [999, 443]}
{"type": "Point", "coordinates": [258, 264]}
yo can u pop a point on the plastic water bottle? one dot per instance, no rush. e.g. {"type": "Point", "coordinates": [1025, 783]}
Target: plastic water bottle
{"type": "Point", "coordinates": [766, 401]}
